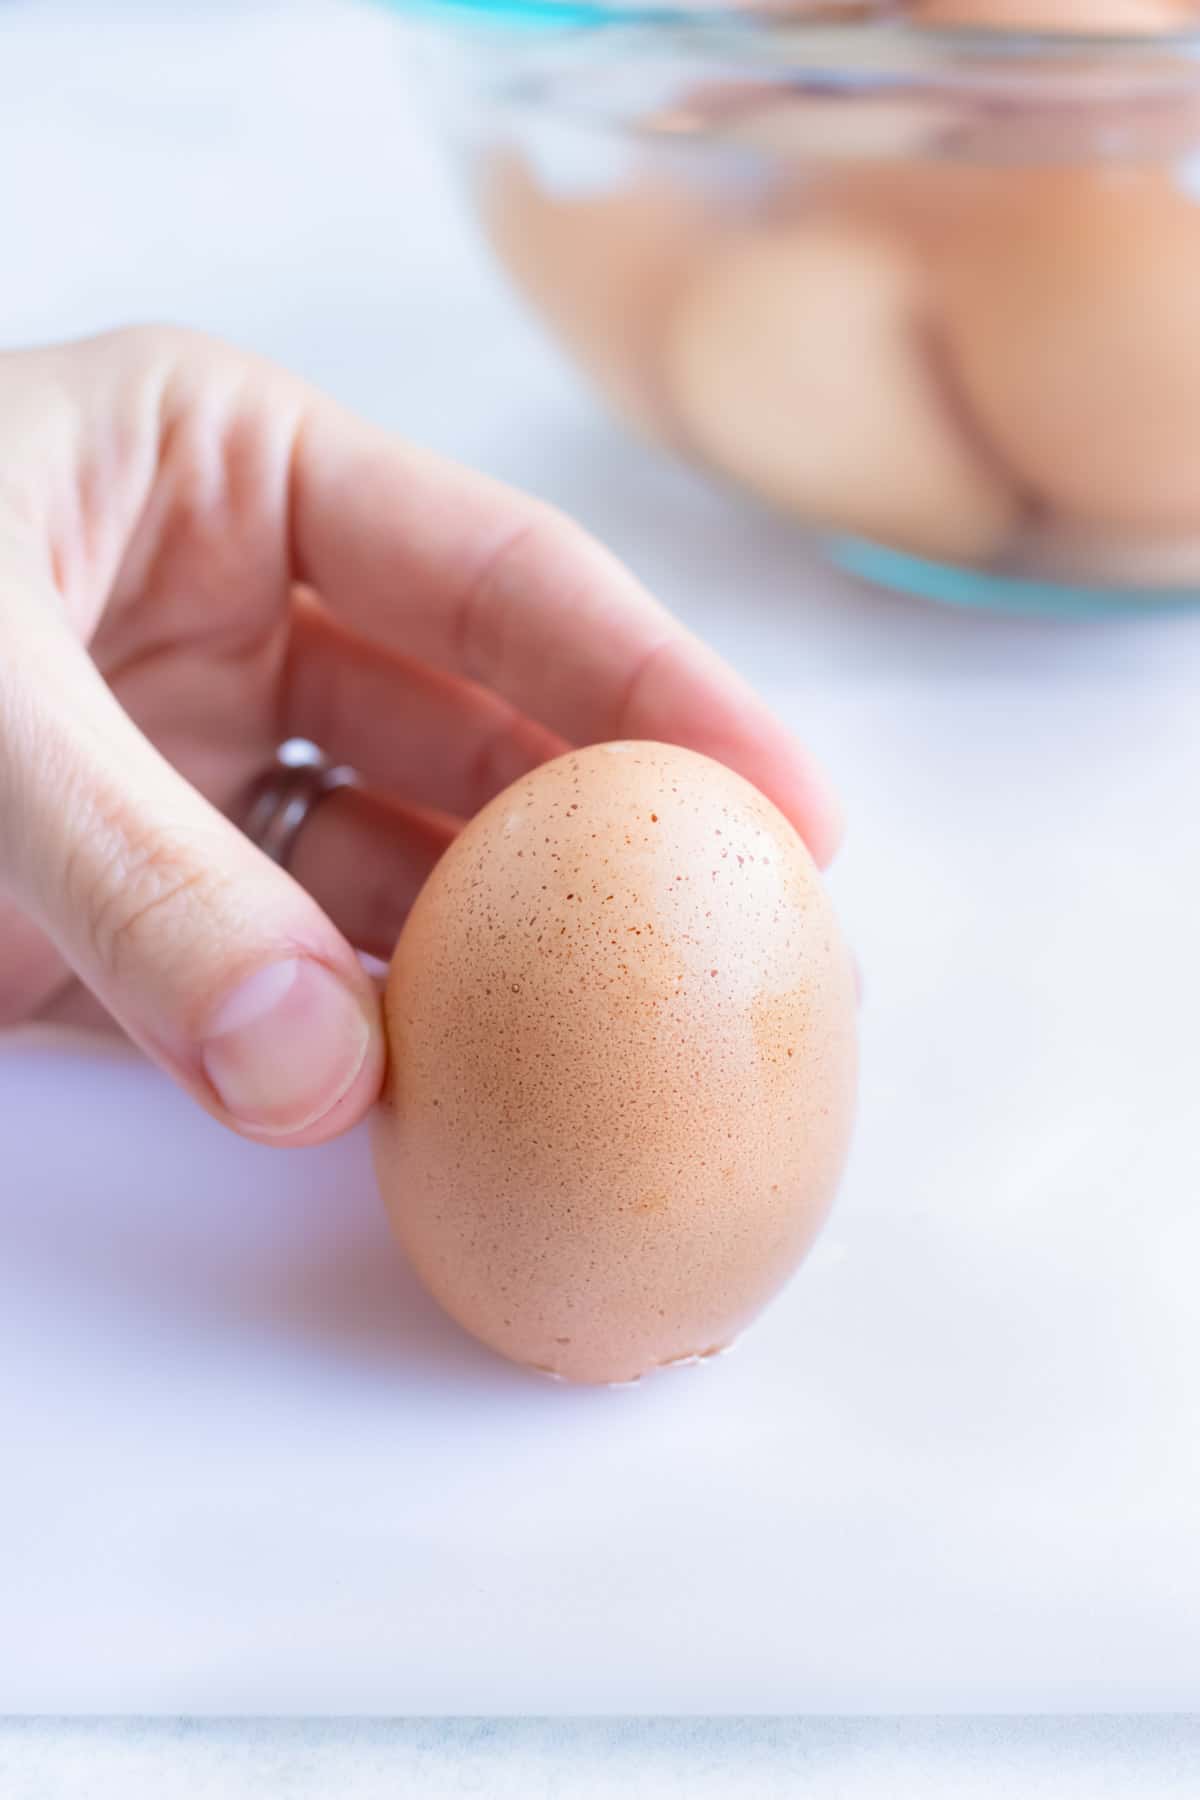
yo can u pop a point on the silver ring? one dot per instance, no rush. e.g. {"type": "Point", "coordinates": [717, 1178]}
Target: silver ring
{"type": "Point", "coordinates": [285, 798]}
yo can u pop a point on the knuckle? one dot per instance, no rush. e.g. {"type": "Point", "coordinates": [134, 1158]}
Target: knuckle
{"type": "Point", "coordinates": [156, 354]}
{"type": "Point", "coordinates": [152, 341]}
{"type": "Point", "coordinates": [483, 605]}
{"type": "Point", "coordinates": [140, 896]}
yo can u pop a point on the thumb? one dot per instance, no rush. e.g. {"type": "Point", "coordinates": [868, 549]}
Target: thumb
{"type": "Point", "coordinates": [213, 959]}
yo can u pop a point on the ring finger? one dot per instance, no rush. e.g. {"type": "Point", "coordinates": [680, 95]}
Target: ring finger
{"type": "Point", "coordinates": [364, 859]}
{"type": "Point", "coordinates": [412, 730]}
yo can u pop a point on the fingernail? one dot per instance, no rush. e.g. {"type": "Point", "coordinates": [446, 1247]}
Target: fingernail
{"type": "Point", "coordinates": [285, 1046]}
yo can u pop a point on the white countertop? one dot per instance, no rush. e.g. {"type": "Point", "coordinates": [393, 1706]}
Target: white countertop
{"type": "Point", "coordinates": [957, 1467]}
{"type": "Point", "coordinates": [660, 1759]}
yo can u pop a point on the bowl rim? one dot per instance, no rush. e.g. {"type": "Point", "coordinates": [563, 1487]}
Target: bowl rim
{"type": "Point", "coordinates": [886, 41]}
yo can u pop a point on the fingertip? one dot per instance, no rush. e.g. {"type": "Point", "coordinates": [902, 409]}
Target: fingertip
{"type": "Point", "coordinates": [294, 1053]}
{"type": "Point", "coordinates": [794, 781]}
{"type": "Point", "coordinates": [354, 1106]}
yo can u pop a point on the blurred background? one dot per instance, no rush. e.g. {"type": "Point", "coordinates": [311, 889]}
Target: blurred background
{"type": "Point", "coordinates": [969, 1448]}
{"type": "Point", "coordinates": [280, 174]}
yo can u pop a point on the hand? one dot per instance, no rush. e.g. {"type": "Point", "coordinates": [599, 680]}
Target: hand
{"type": "Point", "coordinates": [200, 557]}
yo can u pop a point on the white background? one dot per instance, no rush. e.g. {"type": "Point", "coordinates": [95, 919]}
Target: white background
{"type": "Point", "coordinates": [957, 1467]}
{"type": "Point", "coordinates": [661, 1759]}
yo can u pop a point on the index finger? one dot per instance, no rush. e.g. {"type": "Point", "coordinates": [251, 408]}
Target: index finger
{"type": "Point", "coordinates": [478, 579]}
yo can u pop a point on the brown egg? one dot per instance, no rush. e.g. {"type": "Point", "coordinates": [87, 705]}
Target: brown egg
{"type": "Point", "coordinates": [1084, 16]}
{"type": "Point", "coordinates": [1096, 557]}
{"type": "Point", "coordinates": [601, 268]}
{"type": "Point", "coordinates": [1070, 310]}
{"type": "Point", "coordinates": [622, 1027]}
{"type": "Point", "coordinates": [1154, 127]}
{"type": "Point", "coordinates": [800, 364]}
{"type": "Point", "coordinates": [917, 203]}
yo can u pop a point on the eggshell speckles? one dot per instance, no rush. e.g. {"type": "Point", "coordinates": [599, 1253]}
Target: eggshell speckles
{"type": "Point", "coordinates": [1070, 312]}
{"type": "Point", "coordinates": [800, 365]}
{"type": "Point", "coordinates": [622, 1029]}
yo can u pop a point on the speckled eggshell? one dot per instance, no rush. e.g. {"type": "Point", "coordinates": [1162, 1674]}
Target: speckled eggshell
{"type": "Point", "coordinates": [622, 1027]}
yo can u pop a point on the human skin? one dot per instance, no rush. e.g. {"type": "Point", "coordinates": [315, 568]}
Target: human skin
{"type": "Point", "coordinates": [201, 556]}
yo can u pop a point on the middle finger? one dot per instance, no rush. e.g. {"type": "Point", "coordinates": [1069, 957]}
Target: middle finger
{"type": "Point", "coordinates": [420, 733]}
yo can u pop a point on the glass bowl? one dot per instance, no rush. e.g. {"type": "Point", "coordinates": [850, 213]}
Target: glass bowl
{"type": "Point", "coordinates": [933, 291]}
